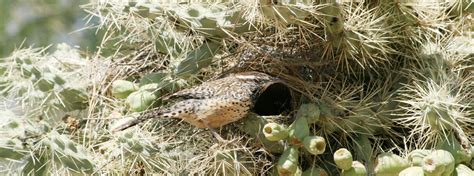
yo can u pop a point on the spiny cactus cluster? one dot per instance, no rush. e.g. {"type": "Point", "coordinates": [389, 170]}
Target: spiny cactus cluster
{"type": "Point", "coordinates": [36, 92]}
{"type": "Point", "coordinates": [381, 87]}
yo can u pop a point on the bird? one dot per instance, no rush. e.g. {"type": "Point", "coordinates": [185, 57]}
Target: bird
{"type": "Point", "coordinates": [212, 104]}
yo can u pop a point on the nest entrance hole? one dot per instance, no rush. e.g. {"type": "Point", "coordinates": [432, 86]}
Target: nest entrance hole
{"type": "Point", "coordinates": [274, 100]}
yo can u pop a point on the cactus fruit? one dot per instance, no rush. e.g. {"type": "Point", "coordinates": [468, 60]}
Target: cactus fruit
{"type": "Point", "coordinates": [298, 130]}
{"type": "Point", "coordinates": [463, 170]}
{"type": "Point", "coordinates": [122, 88]}
{"type": "Point", "coordinates": [438, 163]}
{"type": "Point", "coordinates": [415, 157]}
{"type": "Point", "coordinates": [141, 100]}
{"type": "Point", "coordinates": [315, 171]}
{"type": "Point", "coordinates": [412, 171]}
{"type": "Point", "coordinates": [357, 169]}
{"type": "Point", "coordinates": [284, 12]}
{"type": "Point", "coordinates": [343, 159]}
{"type": "Point", "coordinates": [453, 146]}
{"type": "Point", "coordinates": [288, 162]}
{"type": "Point", "coordinates": [309, 111]}
{"type": "Point", "coordinates": [275, 132]}
{"type": "Point", "coordinates": [315, 145]}
{"type": "Point", "coordinates": [253, 126]}
{"type": "Point", "coordinates": [389, 164]}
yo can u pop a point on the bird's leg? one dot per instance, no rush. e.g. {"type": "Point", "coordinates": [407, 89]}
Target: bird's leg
{"type": "Point", "coordinates": [215, 134]}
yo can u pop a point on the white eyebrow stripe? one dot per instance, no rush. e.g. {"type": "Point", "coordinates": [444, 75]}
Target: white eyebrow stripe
{"type": "Point", "coordinates": [245, 76]}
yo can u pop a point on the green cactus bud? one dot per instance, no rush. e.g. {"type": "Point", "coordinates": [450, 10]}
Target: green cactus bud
{"type": "Point", "coordinates": [412, 171]}
{"type": "Point", "coordinates": [357, 169]}
{"type": "Point", "coordinates": [343, 159]}
{"type": "Point", "coordinates": [288, 162]}
{"type": "Point", "coordinates": [333, 18]}
{"type": "Point", "coordinates": [438, 163]}
{"type": "Point", "coordinates": [298, 130]}
{"type": "Point", "coordinates": [315, 171]}
{"type": "Point", "coordinates": [415, 157]}
{"type": "Point", "coordinates": [463, 170]}
{"type": "Point", "coordinates": [309, 111]}
{"type": "Point", "coordinates": [141, 100]}
{"type": "Point", "coordinates": [389, 164]}
{"type": "Point", "coordinates": [122, 88]}
{"type": "Point", "coordinates": [315, 144]}
{"type": "Point", "coordinates": [275, 132]}
{"type": "Point", "coordinates": [149, 87]}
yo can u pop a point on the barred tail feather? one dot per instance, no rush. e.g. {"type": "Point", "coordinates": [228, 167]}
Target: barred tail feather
{"type": "Point", "coordinates": [135, 121]}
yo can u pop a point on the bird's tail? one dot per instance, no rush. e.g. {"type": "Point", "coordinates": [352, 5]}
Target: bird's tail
{"type": "Point", "coordinates": [132, 122]}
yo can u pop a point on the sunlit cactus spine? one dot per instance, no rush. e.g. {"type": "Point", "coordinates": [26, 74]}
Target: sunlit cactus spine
{"type": "Point", "coordinates": [45, 85]}
{"type": "Point", "coordinates": [35, 148]}
{"type": "Point", "coordinates": [349, 113]}
{"type": "Point", "coordinates": [436, 99]}
{"type": "Point", "coordinates": [356, 36]}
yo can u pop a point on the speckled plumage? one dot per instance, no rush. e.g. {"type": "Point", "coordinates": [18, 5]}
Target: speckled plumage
{"type": "Point", "coordinates": [214, 103]}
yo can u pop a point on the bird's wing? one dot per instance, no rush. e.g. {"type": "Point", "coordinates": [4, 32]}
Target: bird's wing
{"type": "Point", "coordinates": [204, 90]}
{"type": "Point", "coordinates": [199, 92]}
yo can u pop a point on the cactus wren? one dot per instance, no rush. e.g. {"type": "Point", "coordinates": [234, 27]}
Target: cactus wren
{"type": "Point", "coordinates": [212, 104]}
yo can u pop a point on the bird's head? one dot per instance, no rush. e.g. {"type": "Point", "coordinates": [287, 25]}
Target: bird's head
{"type": "Point", "coordinates": [258, 77]}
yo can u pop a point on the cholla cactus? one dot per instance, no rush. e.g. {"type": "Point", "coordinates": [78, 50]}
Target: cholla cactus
{"type": "Point", "coordinates": [366, 75]}
{"type": "Point", "coordinates": [439, 162]}
{"type": "Point", "coordinates": [35, 148]}
{"type": "Point", "coordinates": [390, 164]}
{"type": "Point", "coordinates": [435, 108]}
{"type": "Point", "coordinates": [45, 85]}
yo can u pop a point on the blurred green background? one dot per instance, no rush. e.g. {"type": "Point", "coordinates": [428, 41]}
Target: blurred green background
{"type": "Point", "coordinates": [43, 22]}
